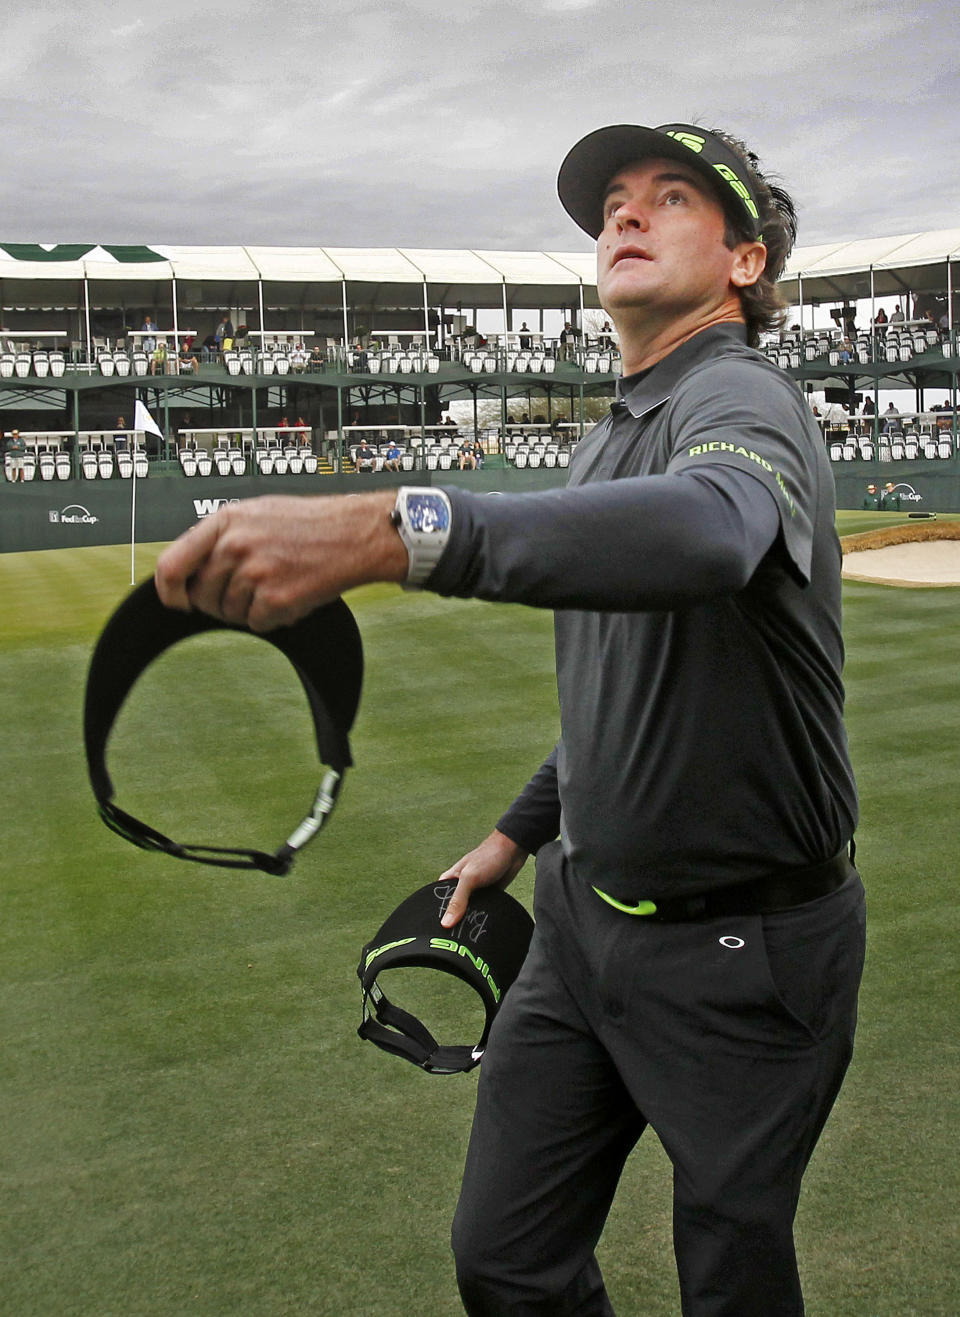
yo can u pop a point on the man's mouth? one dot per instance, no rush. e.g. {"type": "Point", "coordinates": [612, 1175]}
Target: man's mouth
{"type": "Point", "coordinates": [631, 254]}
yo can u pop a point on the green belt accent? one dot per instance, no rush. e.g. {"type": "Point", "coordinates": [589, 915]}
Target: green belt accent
{"type": "Point", "coordinates": [641, 908]}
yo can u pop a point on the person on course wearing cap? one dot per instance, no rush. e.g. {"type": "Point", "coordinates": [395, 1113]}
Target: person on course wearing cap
{"type": "Point", "coordinates": [700, 926]}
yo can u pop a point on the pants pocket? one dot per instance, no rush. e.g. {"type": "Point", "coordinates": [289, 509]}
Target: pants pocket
{"type": "Point", "coordinates": [815, 957]}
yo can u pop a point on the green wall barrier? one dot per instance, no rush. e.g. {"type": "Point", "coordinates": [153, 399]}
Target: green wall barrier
{"type": "Point", "coordinates": [63, 514]}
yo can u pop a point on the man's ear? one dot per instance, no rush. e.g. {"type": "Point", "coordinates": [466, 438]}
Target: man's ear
{"type": "Point", "coordinates": [749, 261]}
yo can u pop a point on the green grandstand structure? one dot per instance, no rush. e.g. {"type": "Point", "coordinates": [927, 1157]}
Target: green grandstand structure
{"type": "Point", "coordinates": [328, 346]}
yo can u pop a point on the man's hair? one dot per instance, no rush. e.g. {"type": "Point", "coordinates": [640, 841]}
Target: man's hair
{"type": "Point", "coordinates": [764, 307]}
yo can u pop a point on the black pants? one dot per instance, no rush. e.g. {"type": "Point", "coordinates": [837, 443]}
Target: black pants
{"type": "Point", "coordinates": [730, 1037]}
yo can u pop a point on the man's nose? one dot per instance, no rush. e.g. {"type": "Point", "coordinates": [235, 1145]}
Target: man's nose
{"type": "Point", "coordinates": [631, 214]}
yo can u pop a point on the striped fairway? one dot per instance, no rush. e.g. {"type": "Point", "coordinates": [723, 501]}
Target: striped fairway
{"type": "Point", "coordinates": [192, 1126]}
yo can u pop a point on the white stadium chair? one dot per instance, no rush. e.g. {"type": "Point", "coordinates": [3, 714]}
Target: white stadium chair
{"type": "Point", "coordinates": [47, 465]}
{"type": "Point", "coordinates": [62, 464]}
{"type": "Point", "coordinates": [105, 464]}
{"type": "Point", "coordinates": [41, 364]}
{"type": "Point", "coordinates": [88, 464]}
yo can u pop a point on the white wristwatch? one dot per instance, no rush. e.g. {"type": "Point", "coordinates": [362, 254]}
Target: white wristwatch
{"type": "Point", "coordinates": [422, 517]}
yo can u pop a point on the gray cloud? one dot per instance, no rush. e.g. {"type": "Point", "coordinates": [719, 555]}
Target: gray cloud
{"type": "Point", "coordinates": [425, 124]}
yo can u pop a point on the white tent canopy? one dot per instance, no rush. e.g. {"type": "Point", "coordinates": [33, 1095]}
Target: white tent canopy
{"type": "Point", "coordinates": [391, 276]}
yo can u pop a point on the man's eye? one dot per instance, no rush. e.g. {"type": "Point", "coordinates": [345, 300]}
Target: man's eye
{"type": "Point", "coordinates": [674, 197]}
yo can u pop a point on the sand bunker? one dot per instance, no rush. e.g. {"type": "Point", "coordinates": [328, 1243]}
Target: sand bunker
{"type": "Point", "coordinates": [925, 553]}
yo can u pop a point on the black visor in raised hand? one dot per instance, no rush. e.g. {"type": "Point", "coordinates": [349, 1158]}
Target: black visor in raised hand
{"type": "Point", "coordinates": [326, 652]}
{"type": "Point", "coordinates": [486, 950]}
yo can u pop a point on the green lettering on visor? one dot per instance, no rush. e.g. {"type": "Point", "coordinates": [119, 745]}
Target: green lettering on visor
{"type": "Point", "coordinates": [641, 908]}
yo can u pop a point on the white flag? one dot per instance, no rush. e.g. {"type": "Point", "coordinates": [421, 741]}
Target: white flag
{"type": "Point", "coordinates": [142, 420]}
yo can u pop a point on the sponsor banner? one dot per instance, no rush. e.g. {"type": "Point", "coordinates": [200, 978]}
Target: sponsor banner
{"type": "Point", "coordinates": [74, 514]}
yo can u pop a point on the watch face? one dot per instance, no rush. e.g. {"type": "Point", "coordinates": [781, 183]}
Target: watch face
{"type": "Point", "coordinates": [427, 513]}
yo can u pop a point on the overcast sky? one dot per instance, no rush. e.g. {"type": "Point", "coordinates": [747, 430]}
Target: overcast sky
{"type": "Point", "coordinates": [432, 123]}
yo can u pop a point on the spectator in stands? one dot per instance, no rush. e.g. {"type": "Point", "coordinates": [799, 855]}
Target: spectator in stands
{"type": "Point", "coordinates": [846, 352]}
{"type": "Point", "coordinates": [149, 328]}
{"type": "Point", "coordinates": [364, 458]}
{"type": "Point", "coordinates": [479, 453]}
{"type": "Point", "coordinates": [303, 432]}
{"type": "Point", "coordinates": [465, 456]}
{"type": "Point", "coordinates": [158, 359]}
{"type": "Point", "coordinates": [359, 357]}
{"type": "Point", "coordinates": [13, 457]}
{"type": "Point", "coordinates": [868, 408]}
{"type": "Point", "coordinates": [120, 438]}
{"type": "Point", "coordinates": [897, 318]}
{"type": "Point", "coordinates": [223, 334]}
{"type": "Point", "coordinates": [187, 359]}
{"type": "Point", "coordinates": [283, 429]}
{"type": "Point", "coordinates": [891, 419]}
{"type": "Point", "coordinates": [317, 359]}
{"type": "Point", "coordinates": [880, 318]}
{"type": "Point", "coordinates": [209, 348]}
{"type": "Point", "coordinates": [568, 342]}
{"type": "Point", "coordinates": [447, 419]}
{"type": "Point", "coordinates": [391, 460]}
{"type": "Point", "coordinates": [524, 338]}
{"type": "Point", "coordinates": [299, 359]}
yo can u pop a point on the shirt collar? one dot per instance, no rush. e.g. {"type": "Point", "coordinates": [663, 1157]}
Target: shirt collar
{"type": "Point", "coordinates": [647, 389]}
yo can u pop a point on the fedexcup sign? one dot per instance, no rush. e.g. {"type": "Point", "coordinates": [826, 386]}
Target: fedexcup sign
{"type": "Point", "coordinates": [73, 514]}
{"type": "Point", "coordinates": [906, 493]}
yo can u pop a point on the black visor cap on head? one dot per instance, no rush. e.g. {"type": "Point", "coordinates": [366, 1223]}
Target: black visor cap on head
{"type": "Point", "coordinates": [590, 165]}
{"type": "Point", "coordinates": [486, 950]}
{"type": "Point", "coordinates": [327, 655]}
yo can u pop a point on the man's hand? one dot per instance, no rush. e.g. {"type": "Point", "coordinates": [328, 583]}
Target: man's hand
{"type": "Point", "coordinates": [495, 862]}
{"type": "Point", "coordinates": [268, 562]}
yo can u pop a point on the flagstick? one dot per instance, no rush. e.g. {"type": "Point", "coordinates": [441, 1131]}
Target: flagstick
{"type": "Point", "coordinates": [133, 512]}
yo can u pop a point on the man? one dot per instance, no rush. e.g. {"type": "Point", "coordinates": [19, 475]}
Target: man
{"type": "Point", "coordinates": [364, 458]}
{"type": "Point", "coordinates": [391, 459]}
{"type": "Point", "coordinates": [223, 334]}
{"type": "Point", "coordinates": [466, 457]}
{"type": "Point", "coordinates": [699, 926]}
{"type": "Point", "coordinates": [188, 359]}
{"type": "Point", "coordinates": [889, 500]}
{"type": "Point", "coordinates": [15, 450]}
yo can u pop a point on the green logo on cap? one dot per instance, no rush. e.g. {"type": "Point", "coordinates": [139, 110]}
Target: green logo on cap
{"type": "Point", "coordinates": [696, 143]}
{"type": "Point", "coordinates": [688, 139]}
{"type": "Point", "coordinates": [741, 190]}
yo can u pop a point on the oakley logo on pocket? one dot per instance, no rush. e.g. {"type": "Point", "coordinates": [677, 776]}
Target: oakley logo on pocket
{"type": "Point", "coordinates": [734, 943]}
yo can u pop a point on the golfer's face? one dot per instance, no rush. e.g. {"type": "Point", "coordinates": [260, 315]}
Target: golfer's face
{"type": "Point", "coordinates": [662, 244]}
